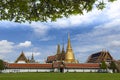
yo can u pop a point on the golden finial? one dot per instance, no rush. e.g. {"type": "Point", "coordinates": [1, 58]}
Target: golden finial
{"type": "Point", "coordinates": [69, 56]}
{"type": "Point", "coordinates": [69, 43]}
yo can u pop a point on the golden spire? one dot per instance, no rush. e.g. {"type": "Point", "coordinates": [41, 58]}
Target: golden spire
{"type": "Point", "coordinates": [69, 57]}
{"type": "Point", "coordinates": [69, 43]}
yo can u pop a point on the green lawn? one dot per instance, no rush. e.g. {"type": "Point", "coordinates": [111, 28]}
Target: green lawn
{"type": "Point", "coordinates": [60, 76]}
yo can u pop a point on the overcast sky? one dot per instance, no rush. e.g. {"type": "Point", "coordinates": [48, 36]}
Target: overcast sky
{"type": "Point", "coordinates": [90, 33]}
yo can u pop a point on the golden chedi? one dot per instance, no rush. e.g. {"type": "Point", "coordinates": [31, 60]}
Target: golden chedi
{"type": "Point", "coordinates": [69, 56]}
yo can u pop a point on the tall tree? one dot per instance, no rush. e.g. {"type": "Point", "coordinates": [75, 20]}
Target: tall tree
{"type": "Point", "coordinates": [113, 66]}
{"type": "Point", "coordinates": [43, 10]}
{"type": "Point", "coordinates": [103, 66]}
{"type": "Point", "coordinates": [1, 65]}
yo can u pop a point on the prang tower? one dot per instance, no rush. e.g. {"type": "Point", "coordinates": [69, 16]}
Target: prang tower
{"type": "Point", "coordinates": [69, 56]}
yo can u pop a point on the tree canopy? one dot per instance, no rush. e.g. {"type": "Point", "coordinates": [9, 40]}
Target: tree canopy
{"type": "Point", "coordinates": [113, 66]}
{"type": "Point", "coordinates": [1, 65]}
{"type": "Point", "coordinates": [43, 10]}
{"type": "Point", "coordinates": [103, 65]}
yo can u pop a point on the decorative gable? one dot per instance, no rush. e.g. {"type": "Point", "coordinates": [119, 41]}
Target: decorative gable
{"type": "Point", "coordinates": [21, 59]}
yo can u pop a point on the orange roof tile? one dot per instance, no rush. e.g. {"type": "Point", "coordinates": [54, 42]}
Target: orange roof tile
{"type": "Point", "coordinates": [24, 66]}
{"type": "Point", "coordinates": [84, 65]}
{"type": "Point", "coordinates": [49, 66]}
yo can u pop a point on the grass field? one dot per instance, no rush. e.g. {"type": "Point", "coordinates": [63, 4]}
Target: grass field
{"type": "Point", "coordinates": [60, 76]}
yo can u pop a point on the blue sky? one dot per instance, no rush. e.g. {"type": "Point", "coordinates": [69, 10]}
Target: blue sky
{"type": "Point", "coordinates": [89, 33]}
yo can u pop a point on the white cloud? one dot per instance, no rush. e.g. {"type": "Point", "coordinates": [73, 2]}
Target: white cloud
{"type": "Point", "coordinates": [6, 46]}
{"type": "Point", "coordinates": [104, 33]}
{"type": "Point", "coordinates": [87, 48]}
{"type": "Point", "coordinates": [40, 29]}
{"type": "Point", "coordinates": [48, 38]}
{"type": "Point", "coordinates": [25, 44]}
{"type": "Point", "coordinates": [113, 24]}
{"type": "Point", "coordinates": [29, 54]}
{"type": "Point", "coordinates": [76, 20]}
{"type": "Point", "coordinates": [103, 36]}
{"type": "Point", "coordinates": [60, 23]}
{"type": "Point", "coordinates": [115, 43]}
{"type": "Point", "coordinates": [1, 57]}
{"type": "Point", "coordinates": [8, 24]}
{"type": "Point", "coordinates": [113, 10]}
{"type": "Point", "coordinates": [41, 60]}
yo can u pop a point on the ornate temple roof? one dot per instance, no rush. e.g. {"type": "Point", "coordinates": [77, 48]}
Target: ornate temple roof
{"type": "Point", "coordinates": [50, 59]}
{"type": "Point", "coordinates": [22, 58]}
{"type": "Point", "coordinates": [99, 57]}
{"type": "Point", "coordinates": [60, 56]}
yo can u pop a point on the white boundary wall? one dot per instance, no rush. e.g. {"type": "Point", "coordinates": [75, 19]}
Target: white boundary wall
{"type": "Point", "coordinates": [26, 70]}
{"type": "Point", "coordinates": [51, 70]}
{"type": "Point", "coordinates": [81, 70]}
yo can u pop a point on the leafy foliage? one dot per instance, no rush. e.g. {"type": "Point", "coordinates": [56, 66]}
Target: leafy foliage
{"type": "Point", "coordinates": [103, 65]}
{"type": "Point", "coordinates": [113, 66]}
{"type": "Point", "coordinates": [1, 65]}
{"type": "Point", "coordinates": [43, 10]}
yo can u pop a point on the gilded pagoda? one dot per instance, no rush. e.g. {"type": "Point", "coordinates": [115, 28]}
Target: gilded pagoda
{"type": "Point", "coordinates": [66, 57]}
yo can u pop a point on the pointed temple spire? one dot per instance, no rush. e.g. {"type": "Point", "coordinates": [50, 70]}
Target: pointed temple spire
{"type": "Point", "coordinates": [28, 60]}
{"type": "Point", "coordinates": [58, 49]}
{"type": "Point", "coordinates": [22, 52]}
{"type": "Point", "coordinates": [63, 51]}
{"type": "Point", "coordinates": [21, 58]}
{"type": "Point", "coordinates": [32, 58]}
{"type": "Point", "coordinates": [69, 57]}
{"type": "Point", "coordinates": [69, 43]}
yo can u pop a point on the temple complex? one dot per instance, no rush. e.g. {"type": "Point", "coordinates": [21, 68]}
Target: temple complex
{"type": "Point", "coordinates": [67, 57]}
{"type": "Point", "coordinates": [62, 61]}
{"type": "Point", "coordinates": [22, 59]}
{"type": "Point", "coordinates": [99, 57]}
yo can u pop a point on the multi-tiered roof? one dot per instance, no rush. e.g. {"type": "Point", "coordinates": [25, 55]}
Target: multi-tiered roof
{"type": "Point", "coordinates": [99, 57]}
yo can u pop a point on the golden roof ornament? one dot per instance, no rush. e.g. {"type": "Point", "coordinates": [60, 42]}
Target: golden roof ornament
{"type": "Point", "coordinates": [69, 57]}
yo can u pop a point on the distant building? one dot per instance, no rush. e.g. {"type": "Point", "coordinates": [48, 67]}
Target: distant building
{"type": "Point", "coordinates": [60, 62]}
{"type": "Point", "coordinates": [117, 64]}
{"type": "Point", "coordinates": [67, 57]}
{"type": "Point", "coordinates": [59, 56]}
{"type": "Point", "coordinates": [32, 59]}
{"type": "Point", "coordinates": [51, 67]}
{"type": "Point", "coordinates": [99, 57]}
{"type": "Point", "coordinates": [22, 59]}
